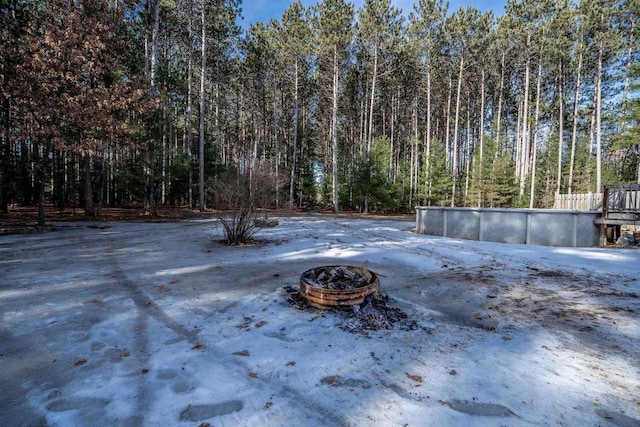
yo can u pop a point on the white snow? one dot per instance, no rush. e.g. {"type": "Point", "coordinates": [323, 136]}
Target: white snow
{"type": "Point", "coordinates": [509, 334]}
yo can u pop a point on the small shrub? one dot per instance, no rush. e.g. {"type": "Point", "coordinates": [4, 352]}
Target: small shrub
{"type": "Point", "coordinates": [237, 211]}
{"type": "Point", "coordinates": [239, 225]}
{"type": "Point", "coordinates": [242, 203]}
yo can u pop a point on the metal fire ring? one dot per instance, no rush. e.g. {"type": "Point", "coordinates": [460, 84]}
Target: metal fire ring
{"type": "Point", "coordinates": [328, 298]}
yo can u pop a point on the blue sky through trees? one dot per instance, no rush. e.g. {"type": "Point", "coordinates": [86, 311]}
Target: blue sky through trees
{"type": "Point", "coordinates": [264, 10]}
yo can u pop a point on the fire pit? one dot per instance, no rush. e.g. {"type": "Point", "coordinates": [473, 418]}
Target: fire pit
{"type": "Point", "coordinates": [337, 285]}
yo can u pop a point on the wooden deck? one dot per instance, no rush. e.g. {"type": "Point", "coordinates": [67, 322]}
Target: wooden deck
{"type": "Point", "coordinates": [621, 206]}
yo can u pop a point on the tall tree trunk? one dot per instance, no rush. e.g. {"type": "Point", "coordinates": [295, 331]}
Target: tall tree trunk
{"type": "Point", "coordinates": [416, 140]}
{"type": "Point", "coordinates": [524, 161]}
{"type": "Point", "coordinates": [164, 151]}
{"type": "Point", "coordinates": [103, 181]}
{"type": "Point", "coordinates": [414, 154]}
{"type": "Point", "coordinates": [428, 135]}
{"type": "Point", "coordinates": [370, 132]}
{"type": "Point", "coordinates": [625, 92]}
{"type": "Point", "coordinates": [500, 91]}
{"type": "Point", "coordinates": [592, 125]}
{"type": "Point", "coordinates": [627, 71]}
{"type": "Point", "coordinates": [4, 157]}
{"type": "Point", "coordinates": [334, 124]}
{"type": "Point", "coordinates": [481, 138]}
{"type": "Point", "coordinates": [190, 105]}
{"type": "Point", "coordinates": [275, 140]}
{"type": "Point", "coordinates": [57, 175]}
{"type": "Point", "coordinates": [467, 153]}
{"type": "Point", "coordinates": [392, 141]}
{"type": "Point", "coordinates": [203, 70]}
{"type": "Point", "coordinates": [154, 44]}
{"type": "Point", "coordinates": [295, 136]}
{"type": "Point", "coordinates": [89, 209]}
{"type": "Point", "coordinates": [363, 120]}
{"type": "Point", "coordinates": [41, 204]}
{"type": "Point", "coordinates": [560, 126]}
{"type": "Point", "coordinates": [574, 131]}
{"type": "Point", "coordinates": [372, 100]}
{"type": "Point", "coordinates": [447, 144]}
{"type": "Point", "coordinates": [254, 152]}
{"type": "Point", "coordinates": [454, 169]}
{"type": "Point", "coordinates": [518, 140]}
{"type": "Point", "coordinates": [26, 175]}
{"type": "Point", "coordinates": [535, 135]}
{"type": "Point", "coordinates": [40, 177]}
{"type": "Point", "coordinates": [598, 118]}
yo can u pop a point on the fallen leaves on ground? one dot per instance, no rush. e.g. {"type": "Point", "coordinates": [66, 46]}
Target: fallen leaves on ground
{"type": "Point", "coordinates": [444, 403]}
{"type": "Point", "coordinates": [253, 374]}
{"type": "Point", "coordinates": [198, 346]}
{"type": "Point", "coordinates": [416, 378]}
{"type": "Point", "coordinates": [247, 320]}
{"type": "Point", "coordinates": [330, 380]}
{"type": "Point", "coordinates": [241, 353]}
{"type": "Point", "coordinates": [80, 362]}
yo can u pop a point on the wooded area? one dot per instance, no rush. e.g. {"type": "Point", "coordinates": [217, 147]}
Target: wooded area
{"type": "Point", "coordinates": [167, 102]}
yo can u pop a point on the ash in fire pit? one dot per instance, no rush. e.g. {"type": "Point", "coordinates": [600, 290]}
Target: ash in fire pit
{"type": "Point", "coordinates": [350, 292]}
{"type": "Point", "coordinates": [374, 314]}
{"type": "Point", "coordinates": [341, 278]}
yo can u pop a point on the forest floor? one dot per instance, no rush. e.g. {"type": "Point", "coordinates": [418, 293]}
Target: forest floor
{"type": "Point", "coordinates": [155, 323]}
{"type": "Point", "coordinates": [22, 219]}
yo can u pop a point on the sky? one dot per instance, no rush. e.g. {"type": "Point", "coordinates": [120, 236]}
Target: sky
{"type": "Point", "coordinates": [265, 10]}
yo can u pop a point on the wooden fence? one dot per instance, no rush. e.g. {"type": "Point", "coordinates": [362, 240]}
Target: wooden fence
{"type": "Point", "coordinates": [578, 202]}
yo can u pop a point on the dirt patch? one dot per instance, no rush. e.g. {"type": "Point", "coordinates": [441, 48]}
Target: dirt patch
{"type": "Point", "coordinates": [584, 308]}
{"type": "Point", "coordinates": [20, 228]}
{"type": "Point", "coordinates": [476, 278]}
{"type": "Point", "coordinates": [23, 219]}
{"type": "Point", "coordinates": [573, 305]}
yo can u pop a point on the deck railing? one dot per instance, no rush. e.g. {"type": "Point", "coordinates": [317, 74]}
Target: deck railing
{"type": "Point", "coordinates": [621, 199]}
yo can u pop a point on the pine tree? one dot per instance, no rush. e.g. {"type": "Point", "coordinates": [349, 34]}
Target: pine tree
{"type": "Point", "coordinates": [425, 26]}
{"type": "Point", "coordinates": [334, 26]}
{"type": "Point", "coordinates": [379, 28]}
{"type": "Point", "coordinates": [295, 35]}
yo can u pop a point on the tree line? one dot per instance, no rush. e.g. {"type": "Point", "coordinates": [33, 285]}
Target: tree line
{"type": "Point", "coordinates": [167, 102]}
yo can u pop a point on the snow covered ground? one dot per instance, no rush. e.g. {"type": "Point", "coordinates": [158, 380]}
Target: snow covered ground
{"type": "Point", "coordinates": [128, 324]}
